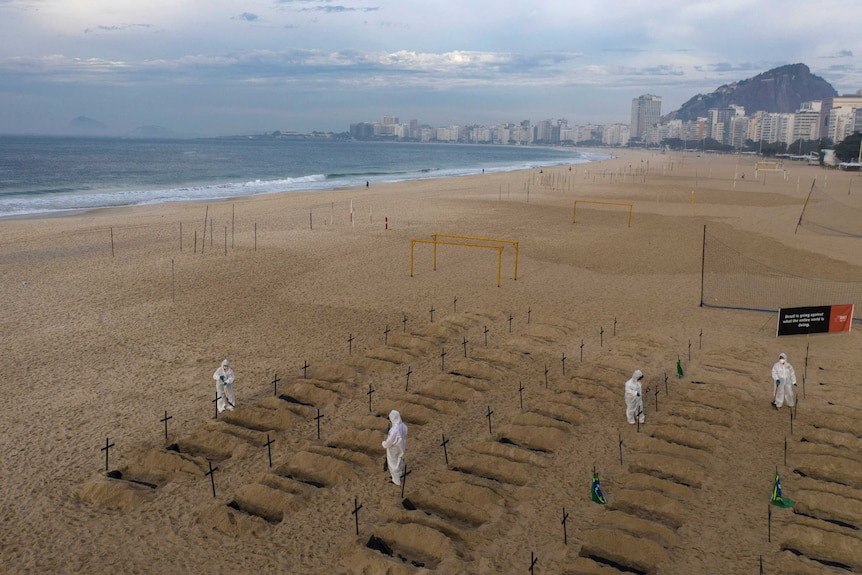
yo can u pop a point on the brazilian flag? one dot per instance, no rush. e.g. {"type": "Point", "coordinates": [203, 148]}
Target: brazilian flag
{"type": "Point", "coordinates": [777, 498]}
{"type": "Point", "coordinates": [596, 491]}
{"type": "Point", "coordinates": [678, 367]}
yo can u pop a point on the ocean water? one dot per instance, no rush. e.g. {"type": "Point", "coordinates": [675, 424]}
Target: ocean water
{"type": "Point", "coordinates": [42, 175]}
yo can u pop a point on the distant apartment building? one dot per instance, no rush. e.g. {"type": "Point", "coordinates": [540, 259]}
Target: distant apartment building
{"type": "Point", "coordinates": [806, 122]}
{"type": "Point", "coordinates": [646, 113]}
{"type": "Point", "coordinates": [615, 134]}
{"type": "Point", "coordinates": [838, 116]}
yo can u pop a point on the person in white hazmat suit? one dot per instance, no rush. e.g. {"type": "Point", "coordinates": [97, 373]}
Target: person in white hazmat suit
{"type": "Point", "coordinates": [224, 377]}
{"type": "Point", "coordinates": [395, 444]}
{"type": "Point", "coordinates": [634, 400]}
{"type": "Point", "coordinates": [784, 377]}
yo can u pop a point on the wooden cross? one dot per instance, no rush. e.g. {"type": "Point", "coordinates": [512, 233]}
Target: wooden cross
{"type": "Point", "coordinates": [409, 371]}
{"type": "Point", "coordinates": [108, 446]}
{"type": "Point", "coordinates": [368, 393]}
{"type": "Point", "coordinates": [601, 336]}
{"type": "Point", "coordinates": [350, 344]}
{"type": "Point", "coordinates": [521, 393]}
{"type": "Point", "coordinates": [533, 561]}
{"type": "Point", "coordinates": [665, 384]}
{"type": "Point", "coordinates": [465, 345]}
{"type": "Point", "coordinates": [488, 415]}
{"type": "Point", "coordinates": [386, 336]}
{"type": "Point", "coordinates": [443, 445]}
{"type": "Point", "coordinates": [305, 367]}
{"type": "Point", "coordinates": [455, 304]}
{"type": "Point", "coordinates": [511, 317]}
{"type": "Point", "coordinates": [486, 336]}
{"type": "Point", "coordinates": [621, 448]}
{"type": "Point", "coordinates": [639, 414]}
{"type": "Point", "coordinates": [318, 418]}
{"type": "Point", "coordinates": [656, 398]}
{"type": "Point", "coordinates": [275, 385]}
{"type": "Point", "coordinates": [404, 322]}
{"type": "Point", "coordinates": [564, 363]}
{"type": "Point", "coordinates": [268, 444]}
{"type": "Point", "coordinates": [546, 376]}
{"type": "Point", "coordinates": [582, 350]}
{"type": "Point", "coordinates": [215, 401]}
{"type": "Point", "coordinates": [565, 518]}
{"type": "Point", "coordinates": [355, 512]}
{"type": "Point", "coordinates": [404, 475]}
{"type": "Point", "coordinates": [443, 359]}
{"type": "Point", "coordinates": [432, 313]}
{"type": "Point", "coordinates": [165, 421]}
{"type": "Point", "coordinates": [211, 473]}
{"type": "Point", "coordinates": [529, 311]}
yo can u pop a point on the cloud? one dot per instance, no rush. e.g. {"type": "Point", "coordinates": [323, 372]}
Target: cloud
{"type": "Point", "coordinates": [247, 16]}
{"type": "Point", "coordinates": [116, 28]}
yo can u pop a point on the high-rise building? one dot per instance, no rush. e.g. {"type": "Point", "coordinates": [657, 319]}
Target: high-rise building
{"type": "Point", "coordinates": [646, 113]}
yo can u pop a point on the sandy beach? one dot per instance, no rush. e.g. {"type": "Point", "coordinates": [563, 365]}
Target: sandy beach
{"type": "Point", "coordinates": [114, 322]}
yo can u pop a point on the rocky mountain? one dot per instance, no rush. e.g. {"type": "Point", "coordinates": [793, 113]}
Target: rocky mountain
{"type": "Point", "coordinates": [87, 126]}
{"type": "Point", "coordinates": [780, 90]}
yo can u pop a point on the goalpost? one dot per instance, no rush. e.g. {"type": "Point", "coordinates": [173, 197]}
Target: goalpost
{"type": "Point", "coordinates": [469, 245]}
{"type": "Point", "coordinates": [575, 210]}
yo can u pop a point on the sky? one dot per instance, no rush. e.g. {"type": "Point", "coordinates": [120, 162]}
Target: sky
{"type": "Point", "coordinates": [216, 67]}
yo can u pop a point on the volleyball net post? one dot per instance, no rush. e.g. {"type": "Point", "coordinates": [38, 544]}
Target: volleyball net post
{"type": "Point", "coordinates": [575, 208]}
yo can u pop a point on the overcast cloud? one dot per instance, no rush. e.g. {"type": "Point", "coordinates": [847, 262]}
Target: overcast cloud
{"type": "Point", "coordinates": [210, 67]}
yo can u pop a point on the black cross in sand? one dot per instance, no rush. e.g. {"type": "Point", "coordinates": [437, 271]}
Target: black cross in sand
{"type": "Point", "coordinates": [350, 339]}
{"type": "Point", "coordinates": [368, 393]}
{"type": "Point", "coordinates": [521, 393]}
{"type": "Point", "coordinates": [215, 401]}
{"type": "Point", "coordinates": [486, 336]}
{"type": "Point", "coordinates": [355, 512]}
{"type": "Point", "coordinates": [432, 314]}
{"type": "Point", "coordinates": [318, 418]}
{"type": "Point", "coordinates": [108, 446]}
{"type": "Point", "coordinates": [268, 445]}
{"type": "Point", "coordinates": [565, 518]}
{"type": "Point", "coordinates": [409, 371]}
{"type": "Point", "coordinates": [465, 345]}
{"type": "Point", "coordinates": [165, 421]}
{"type": "Point", "coordinates": [488, 415]}
{"type": "Point", "coordinates": [386, 336]}
{"type": "Point", "coordinates": [305, 367]}
{"type": "Point", "coordinates": [443, 359]}
{"type": "Point", "coordinates": [211, 473]}
{"type": "Point", "coordinates": [275, 385]}
{"type": "Point", "coordinates": [404, 475]}
{"type": "Point", "coordinates": [443, 445]}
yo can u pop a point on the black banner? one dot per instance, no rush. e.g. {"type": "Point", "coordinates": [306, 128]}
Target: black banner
{"type": "Point", "coordinates": [803, 320]}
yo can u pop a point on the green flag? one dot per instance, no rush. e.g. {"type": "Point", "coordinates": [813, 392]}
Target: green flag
{"type": "Point", "coordinates": [678, 368]}
{"type": "Point", "coordinates": [596, 491]}
{"type": "Point", "coordinates": [777, 498]}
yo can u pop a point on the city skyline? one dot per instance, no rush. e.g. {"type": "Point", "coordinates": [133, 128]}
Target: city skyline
{"type": "Point", "coordinates": [203, 68]}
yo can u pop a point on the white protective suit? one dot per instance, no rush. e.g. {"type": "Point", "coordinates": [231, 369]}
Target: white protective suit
{"type": "Point", "coordinates": [785, 380]}
{"type": "Point", "coordinates": [634, 401]}
{"type": "Point", "coordinates": [224, 377]}
{"type": "Point", "coordinates": [395, 444]}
